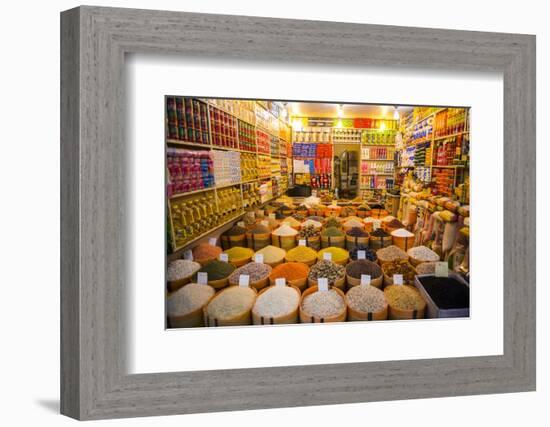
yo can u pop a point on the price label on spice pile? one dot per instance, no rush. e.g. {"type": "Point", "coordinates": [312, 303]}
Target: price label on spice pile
{"type": "Point", "coordinates": [272, 216]}
{"type": "Point", "coordinates": [241, 224]}
{"type": "Point", "coordinates": [301, 242]}
{"type": "Point", "coordinates": [365, 279]}
{"type": "Point", "coordinates": [361, 255]}
{"type": "Point", "coordinates": [188, 255]}
{"type": "Point", "coordinates": [252, 215]}
{"type": "Point", "coordinates": [202, 278]}
{"type": "Point", "coordinates": [327, 256]}
{"type": "Point", "coordinates": [441, 269]}
{"type": "Point", "coordinates": [265, 223]}
{"type": "Point", "coordinates": [281, 281]}
{"type": "Point", "coordinates": [314, 193]}
{"type": "Point", "coordinates": [259, 258]}
{"type": "Point", "coordinates": [212, 241]}
{"type": "Point", "coordinates": [398, 279]}
{"type": "Point", "coordinates": [224, 257]}
{"type": "Point", "coordinates": [244, 280]}
{"type": "Point", "coordinates": [323, 284]}
{"type": "Point", "coordinates": [376, 224]}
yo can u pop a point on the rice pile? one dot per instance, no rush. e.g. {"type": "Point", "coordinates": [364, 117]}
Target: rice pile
{"type": "Point", "coordinates": [323, 304]}
{"type": "Point", "coordinates": [231, 302]}
{"type": "Point", "coordinates": [366, 299]}
{"type": "Point", "coordinates": [277, 301]}
{"type": "Point", "coordinates": [188, 299]}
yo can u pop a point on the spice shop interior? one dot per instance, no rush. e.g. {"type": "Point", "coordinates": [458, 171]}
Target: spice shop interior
{"type": "Point", "coordinates": [307, 212]}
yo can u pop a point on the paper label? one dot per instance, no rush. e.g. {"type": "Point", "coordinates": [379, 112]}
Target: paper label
{"type": "Point", "coordinates": [441, 269]}
{"type": "Point", "coordinates": [241, 224]}
{"type": "Point", "coordinates": [322, 284]}
{"type": "Point", "coordinates": [301, 242]}
{"type": "Point", "coordinates": [252, 215]}
{"type": "Point", "coordinates": [224, 257]}
{"type": "Point", "coordinates": [202, 278]}
{"type": "Point", "coordinates": [212, 241]}
{"type": "Point", "coordinates": [398, 279]}
{"type": "Point", "coordinates": [376, 224]}
{"type": "Point", "coordinates": [272, 216]}
{"type": "Point", "coordinates": [265, 223]}
{"type": "Point", "coordinates": [314, 193]}
{"type": "Point", "coordinates": [281, 281]}
{"type": "Point", "coordinates": [327, 256]}
{"type": "Point", "coordinates": [188, 255]}
{"type": "Point", "coordinates": [259, 258]}
{"type": "Point", "coordinates": [361, 255]}
{"type": "Point", "coordinates": [365, 280]}
{"type": "Point", "coordinates": [244, 280]}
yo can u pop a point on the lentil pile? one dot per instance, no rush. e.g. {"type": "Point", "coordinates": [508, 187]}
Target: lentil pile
{"type": "Point", "coordinates": [285, 230]}
{"type": "Point", "coordinates": [369, 253]}
{"type": "Point", "coordinates": [206, 251]}
{"type": "Point", "coordinates": [328, 270]}
{"type": "Point", "coordinates": [238, 253]}
{"type": "Point", "coordinates": [447, 292]}
{"type": "Point", "coordinates": [290, 271]}
{"type": "Point", "coordinates": [323, 304]}
{"type": "Point", "coordinates": [391, 253]}
{"type": "Point", "coordinates": [333, 222]}
{"type": "Point", "coordinates": [188, 299]}
{"type": "Point", "coordinates": [338, 254]}
{"type": "Point", "coordinates": [357, 232]}
{"type": "Point", "coordinates": [272, 254]}
{"type": "Point", "coordinates": [301, 254]}
{"type": "Point", "coordinates": [255, 270]}
{"type": "Point", "coordinates": [230, 303]}
{"type": "Point", "coordinates": [424, 254]}
{"type": "Point", "coordinates": [308, 231]}
{"type": "Point", "coordinates": [356, 268]}
{"type": "Point", "coordinates": [180, 269]}
{"type": "Point", "coordinates": [400, 267]}
{"type": "Point", "coordinates": [277, 301]}
{"type": "Point", "coordinates": [404, 297]}
{"type": "Point", "coordinates": [217, 270]}
{"type": "Point", "coordinates": [366, 299]}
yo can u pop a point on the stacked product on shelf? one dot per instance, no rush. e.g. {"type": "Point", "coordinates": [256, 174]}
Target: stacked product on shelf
{"type": "Point", "coordinates": [227, 167]}
{"type": "Point", "coordinates": [188, 170]}
{"type": "Point", "coordinates": [223, 128]}
{"type": "Point", "coordinates": [346, 136]}
{"type": "Point", "coordinates": [187, 120]}
{"type": "Point", "coordinates": [247, 137]}
{"type": "Point", "coordinates": [263, 141]}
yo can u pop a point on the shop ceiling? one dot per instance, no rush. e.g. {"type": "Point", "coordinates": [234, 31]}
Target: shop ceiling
{"type": "Point", "coordinates": [331, 110]}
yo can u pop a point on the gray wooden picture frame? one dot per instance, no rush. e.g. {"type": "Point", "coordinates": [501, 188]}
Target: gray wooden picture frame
{"type": "Point", "coordinates": [94, 41]}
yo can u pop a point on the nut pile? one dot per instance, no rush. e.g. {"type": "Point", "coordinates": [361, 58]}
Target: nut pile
{"type": "Point", "coordinates": [323, 304]}
{"type": "Point", "coordinates": [308, 231]}
{"type": "Point", "coordinates": [327, 269]}
{"type": "Point", "coordinates": [255, 270]}
{"type": "Point", "coordinates": [400, 267]}
{"type": "Point", "coordinates": [366, 299]}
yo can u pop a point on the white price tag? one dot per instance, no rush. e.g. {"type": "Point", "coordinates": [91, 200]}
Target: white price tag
{"type": "Point", "coordinates": [244, 280]}
{"type": "Point", "coordinates": [376, 224]}
{"type": "Point", "coordinates": [265, 223]}
{"type": "Point", "coordinates": [272, 216]}
{"type": "Point", "coordinates": [281, 281]}
{"type": "Point", "coordinates": [259, 258]}
{"type": "Point", "coordinates": [361, 255]}
{"type": "Point", "coordinates": [441, 269]}
{"type": "Point", "coordinates": [241, 224]}
{"type": "Point", "coordinates": [301, 242]}
{"type": "Point", "coordinates": [202, 278]}
{"type": "Point", "coordinates": [252, 214]}
{"type": "Point", "coordinates": [365, 280]}
{"type": "Point", "coordinates": [334, 203]}
{"type": "Point", "coordinates": [323, 284]}
{"type": "Point", "coordinates": [188, 255]}
{"type": "Point", "coordinates": [224, 257]}
{"type": "Point", "coordinates": [327, 256]}
{"type": "Point", "coordinates": [314, 193]}
{"type": "Point", "coordinates": [398, 279]}
{"type": "Point", "coordinates": [213, 241]}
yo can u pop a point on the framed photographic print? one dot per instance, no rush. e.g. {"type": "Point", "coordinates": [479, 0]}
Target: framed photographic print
{"type": "Point", "coordinates": [296, 212]}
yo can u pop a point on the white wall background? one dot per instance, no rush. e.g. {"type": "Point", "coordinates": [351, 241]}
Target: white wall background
{"type": "Point", "coordinates": [29, 214]}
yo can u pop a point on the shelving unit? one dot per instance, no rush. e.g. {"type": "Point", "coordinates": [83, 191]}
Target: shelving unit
{"type": "Point", "coordinates": [275, 126]}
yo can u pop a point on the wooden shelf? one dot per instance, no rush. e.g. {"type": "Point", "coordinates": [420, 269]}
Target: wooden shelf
{"type": "Point", "coordinates": [447, 166]}
{"type": "Point", "coordinates": [187, 143]}
{"type": "Point", "coordinates": [452, 135]}
{"type": "Point", "coordinates": [377, 160]}
{"type": "Point", "coordinates": [377, 145]}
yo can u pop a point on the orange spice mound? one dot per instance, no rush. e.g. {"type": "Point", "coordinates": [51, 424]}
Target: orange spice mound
{"type": "Point", "coordinates": [206, 250]}
{"type": "Point", "coordinates": [290, 271]}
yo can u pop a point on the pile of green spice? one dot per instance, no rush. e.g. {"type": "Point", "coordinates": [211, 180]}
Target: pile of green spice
{"type": "Point", "coordinates": [216, 270]}
{"type": "Point", "coordinates": [332, 232]}
{"type": "Point", "coordinates": [333, 222]}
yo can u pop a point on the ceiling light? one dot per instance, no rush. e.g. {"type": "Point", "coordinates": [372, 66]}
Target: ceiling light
{"type": "Point", "coordinates": [396, 113]}
{"type": "Point", "coordinates": [340, 110]}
